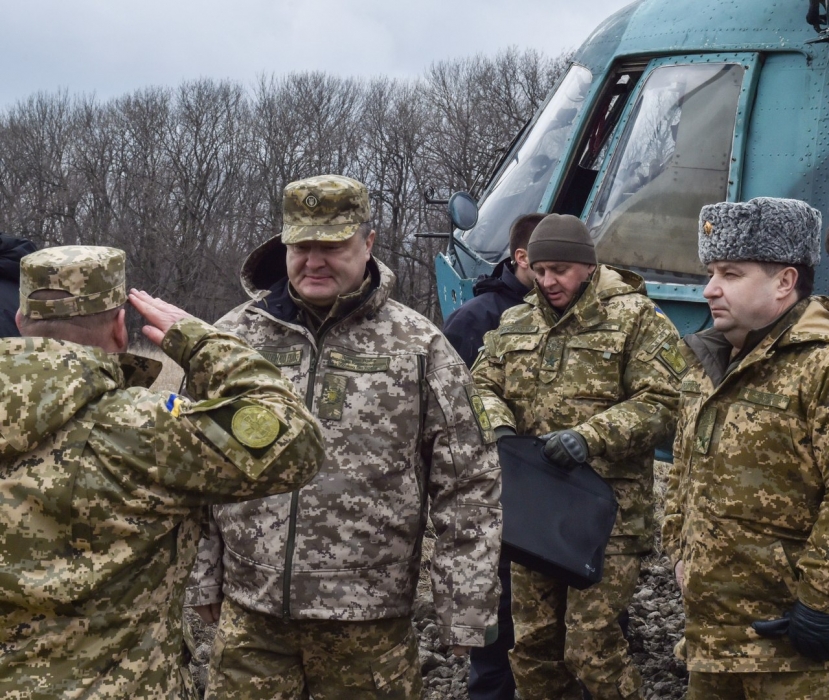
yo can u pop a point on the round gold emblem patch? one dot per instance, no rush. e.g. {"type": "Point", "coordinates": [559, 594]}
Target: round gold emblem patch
{"type": "Point", "coordinates": [255, 426]}
{"type": "Point", "coordinates": [311, 201]}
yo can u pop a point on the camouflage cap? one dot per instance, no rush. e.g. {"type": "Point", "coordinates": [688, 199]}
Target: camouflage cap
{"type": "Point", "coordinates": [323, 208]}
{"type": "Point", "coordinates": [95, 276]}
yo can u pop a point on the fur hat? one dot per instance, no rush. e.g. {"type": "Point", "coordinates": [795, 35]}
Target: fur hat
{"type": "Point", "coordinates": [764, 229]}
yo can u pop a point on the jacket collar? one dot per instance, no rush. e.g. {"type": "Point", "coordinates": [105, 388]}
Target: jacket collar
{"type": "Point", "coordinates": [588, 309]}
{"type": "Point", "coordinates": [806, 321]}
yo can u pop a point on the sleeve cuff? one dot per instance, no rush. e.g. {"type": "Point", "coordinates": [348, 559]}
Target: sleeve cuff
{"type": "Point", "coordinates": [202, 595]}
{"type": "Point", "coordinates": [183, 337]}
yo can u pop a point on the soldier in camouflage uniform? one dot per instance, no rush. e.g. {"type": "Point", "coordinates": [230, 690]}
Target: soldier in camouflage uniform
{"type": "Point", "coordinates": [102, 482]}
{"type": "Point", "coordinates": [318, 586]}
{"type": "Point", "coordinates": [593, 360]}
{"type": "Point", "coordinates": [746, 516]}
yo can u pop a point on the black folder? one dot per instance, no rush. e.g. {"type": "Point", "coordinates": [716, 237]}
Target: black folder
{"type": "Point", "coordinates": [556, 522]}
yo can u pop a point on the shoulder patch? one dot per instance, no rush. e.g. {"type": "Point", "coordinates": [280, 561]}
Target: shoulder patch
{"type": "Point", "coordinates": [477, 405]}
{"type": "Point", "coordinates": [672, 358]}
{"type": "Point", "coordinates": [255, 426]}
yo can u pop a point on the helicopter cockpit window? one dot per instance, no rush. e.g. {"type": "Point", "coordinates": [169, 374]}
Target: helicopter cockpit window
{"type": "Point", "coordinates": [673, 158]}
{"type": "Point", "coordinates": [525, 176]}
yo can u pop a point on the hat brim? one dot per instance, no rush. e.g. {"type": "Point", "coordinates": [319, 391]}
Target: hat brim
{"type": "Point", "coordinates": [329, 233]}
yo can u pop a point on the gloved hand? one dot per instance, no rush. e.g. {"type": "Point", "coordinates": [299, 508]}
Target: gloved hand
{"type": "Point", "coordinates": [808, 630]}
{"type": "Point", "coordinates": [565, 448]}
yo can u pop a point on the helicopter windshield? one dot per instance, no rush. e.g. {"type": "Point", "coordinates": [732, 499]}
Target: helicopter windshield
{"type": "Point", "coordinates": [673, 158]}
{"type": "Point", "coordinates": [525, 175]}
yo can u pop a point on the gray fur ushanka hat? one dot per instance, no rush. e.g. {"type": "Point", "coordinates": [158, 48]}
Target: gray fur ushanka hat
{"type": "Point", "coordinates": [764, 229]}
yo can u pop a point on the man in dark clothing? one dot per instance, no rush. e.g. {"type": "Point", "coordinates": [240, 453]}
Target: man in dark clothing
{"type": "Point", "coordinates": [490, 677]}
{"type": "Point", "coordinates": [511, 279]}
{"type": "Point", "coordinates": [11, 250]}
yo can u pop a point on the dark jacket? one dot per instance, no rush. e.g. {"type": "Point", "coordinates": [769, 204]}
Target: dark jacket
{"type": "Point", "coordinates": [466, 326]}
{"type": "Point", "coordinates": [11, 250]}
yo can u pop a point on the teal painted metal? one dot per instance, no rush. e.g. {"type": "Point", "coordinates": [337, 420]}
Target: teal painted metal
{"type": "Point", "coordinates": [453, 290]}
{"type": "Point", "coordinates": [781, 134]}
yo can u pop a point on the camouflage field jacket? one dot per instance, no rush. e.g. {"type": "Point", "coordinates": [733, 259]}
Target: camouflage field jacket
{"type": "Point", "coordinates": [394, 402]}
{"type": "Point", "coordinates": [102, 489]}
{"type": "Point", "coordinates": [608, 368]}
{"type": "Point", "coordinates": [746, 506]}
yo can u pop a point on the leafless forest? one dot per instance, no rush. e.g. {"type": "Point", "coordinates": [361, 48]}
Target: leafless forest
{"type": "Point", "coordinates": [188, 180]}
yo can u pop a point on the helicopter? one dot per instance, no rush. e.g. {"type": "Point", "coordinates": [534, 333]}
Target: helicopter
{"type": "Point", "coordinates": [668, 105]}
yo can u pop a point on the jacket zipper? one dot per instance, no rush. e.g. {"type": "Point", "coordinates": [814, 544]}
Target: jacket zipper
{"type": "Point", "coordinates": [309, 402]}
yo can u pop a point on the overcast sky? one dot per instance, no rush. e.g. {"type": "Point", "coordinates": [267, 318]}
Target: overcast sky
{"type": "Point", "coordinates": [112, 47]}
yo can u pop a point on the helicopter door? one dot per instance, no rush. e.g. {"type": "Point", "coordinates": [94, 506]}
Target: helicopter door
{"type": "Point", "coordinates": [674, 151]}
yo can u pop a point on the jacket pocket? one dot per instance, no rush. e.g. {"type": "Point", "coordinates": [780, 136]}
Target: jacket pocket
{"type": "Point", "coordinates": [593, 365]}
{"type": "Point", "coordinates": [521, 360]}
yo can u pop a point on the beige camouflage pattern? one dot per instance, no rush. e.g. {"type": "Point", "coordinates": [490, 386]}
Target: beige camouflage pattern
{"type": "Point", "coordinates": [102, 490]}
{"type": "Point", "coordinates": [746, 506]}
{"type": "Point", "coordinates": [758, 686]}
{"type": "Point", "coordinates": [608, 368]}
{"type": "Point", "coordinates": [323, 208]}
{"type": "Point", "coordinates": [562, 634]}
{"type": "Point", "coordinates": [393, 399]}
{"type": "Point", "coordinates": [95, 276]}
{"type": "Point", "coordinates": [256, 657]}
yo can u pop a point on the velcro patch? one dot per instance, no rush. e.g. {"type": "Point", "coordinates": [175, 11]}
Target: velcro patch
{"type": "Point", "coordinates": [705, 430]}
{"type": "Point", "coordinates": [672, 358]}
{"type": "Point", "coordinates": [477, 405]}
{"type": "Point", "coordinates": [509, 329]}
{"type": "Point", "coordinates": [287, 358]}
{"type": "Point", "coordinates": [357, 363]}
{"type": "Point", "coordinates": [332, 400]}
{"type": "Point", "coordinates": [764, 399]}
{"type": "Point", "coordinates": [255, 426]}
{"type": "Point", "coordinates": [690, 387]}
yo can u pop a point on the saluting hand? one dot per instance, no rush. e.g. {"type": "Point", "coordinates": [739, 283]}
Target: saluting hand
{"type": "Point", "coordinates": [159, 315]}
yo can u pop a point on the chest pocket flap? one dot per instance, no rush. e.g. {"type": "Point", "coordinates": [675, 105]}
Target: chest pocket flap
{"type": "Point", "coordinates": [526, 341]}
{"type": "Point", "coordinates": [607, 343]}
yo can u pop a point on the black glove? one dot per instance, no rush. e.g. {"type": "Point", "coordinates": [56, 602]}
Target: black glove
{"type": "Point", "coordinates": [808, 631]}
{"type": "Point", "coordinates": [565, 448]}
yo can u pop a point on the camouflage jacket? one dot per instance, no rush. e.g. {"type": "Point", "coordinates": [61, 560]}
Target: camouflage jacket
{"type": "Point", "coordinates": [394, 401]}
{"type": "Point", "coordinates": [746, 508]}
{"type": "Point", "coordinates": [102, 489]}
{"type": "Point", "coordinates": [608, 368]}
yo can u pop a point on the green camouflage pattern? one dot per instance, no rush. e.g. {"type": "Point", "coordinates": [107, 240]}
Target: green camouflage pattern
{"type": "Point", "coordinates": [400, 437]}
{"type": "Point", "coordinates": [103, 487]}
{"type": "Point", "coordinates": [746, 505]}
{"type": "Point", "coordinates": [261, 656]}
{"type": "Point", "coordinates": [323, 208]}
{"type": "Point", "coordinates": [608, 368]}
{"type": "Point", "coordinates": [95, 276]}
{"type": "Point", "coordinates": [562, 634]}
{"type": "Point", "coordinates": [758, 686]}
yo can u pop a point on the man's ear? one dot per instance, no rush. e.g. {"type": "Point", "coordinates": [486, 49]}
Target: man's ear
{"type": "Point", "coordinates": [120, 336]}
{"type": "Point", "coordinates": [521, 258]}
{"type": "Point", "coordinates": [18, 320]}
{"type": "Point", "coordinates": [786, 282]}
{"type": "Point", "coordinates": [370, 242]}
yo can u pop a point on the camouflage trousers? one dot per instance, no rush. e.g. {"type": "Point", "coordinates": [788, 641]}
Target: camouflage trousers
{"type": "Point", "coordinates": [563, 634]}
{"type": "Point", "coordinates": [812, 685]}
{"type": "Point", "coordinates": [261, 657]}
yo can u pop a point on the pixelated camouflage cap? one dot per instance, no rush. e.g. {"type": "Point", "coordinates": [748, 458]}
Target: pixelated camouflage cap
{"type": "Point", "coordinates": [323, 208]}
{"type": "Point", "coordinates": [95, 276]}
